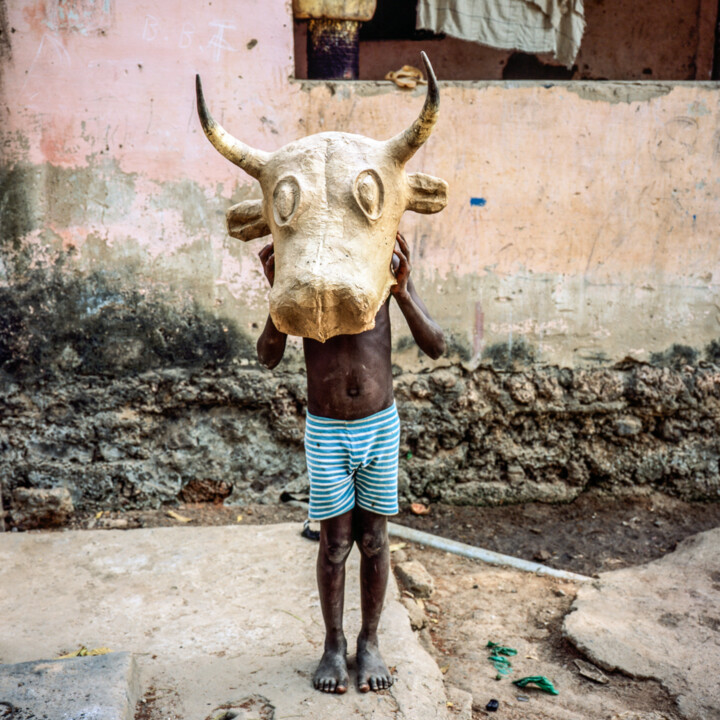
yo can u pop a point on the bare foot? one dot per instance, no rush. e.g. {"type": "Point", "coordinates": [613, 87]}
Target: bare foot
{"type": "Point", "coordinates": [331, 675]}
{"type": "Point", "coordinates": [372, 673]}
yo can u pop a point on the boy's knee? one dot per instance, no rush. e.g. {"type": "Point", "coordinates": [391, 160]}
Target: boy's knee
{"type": "Point", "coordinates": [373, 543]}
{"type": "Point", "coordinates": [337, 550]}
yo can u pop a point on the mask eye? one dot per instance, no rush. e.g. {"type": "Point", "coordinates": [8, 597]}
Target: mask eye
{"type": "Point", "coordinates": [285, 199]}
{"type": "Point", "coordinates": [368, 192]}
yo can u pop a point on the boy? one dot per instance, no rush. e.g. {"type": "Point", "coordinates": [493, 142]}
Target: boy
{"type": "Point", "coordinates": [351, 443]}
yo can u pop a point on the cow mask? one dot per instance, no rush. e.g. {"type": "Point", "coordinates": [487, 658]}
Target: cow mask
{"type": "Point", "coordinates": [333, 202]}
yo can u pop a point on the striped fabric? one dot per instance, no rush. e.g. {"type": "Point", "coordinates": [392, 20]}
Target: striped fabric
{"type": "Point", "coordinates": [353, 461]}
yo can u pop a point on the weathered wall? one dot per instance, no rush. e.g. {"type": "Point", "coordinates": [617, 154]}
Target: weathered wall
{"type": "Point", "coordinates": [486, 437]}
{"type": "Point", "coordinates": [581, 231]}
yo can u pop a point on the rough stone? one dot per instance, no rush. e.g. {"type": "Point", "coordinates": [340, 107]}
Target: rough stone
{"type": "Point", "coordinates": [460, 703]}
{"type": "Point", "coordinates": [103, 687]}
{"type": "Point", "coordinates": [212, 614]}
{"type": "Point", "coordinates": [627, 425]}
{"type": "Point", "coordinates": [589, 671]}
{"type": "Point", "coordinates": [117, 438]}
{"type": "Point", "coordinates": [418, 619]}
{"type": "Point", "coordinates": [41, 507]}
{"type": "Point", "coordinates": [659, 620]}
{"type": "Point", "coordinates": [399, 556]}
{"type": "Point", "coordinates": [415, 578]}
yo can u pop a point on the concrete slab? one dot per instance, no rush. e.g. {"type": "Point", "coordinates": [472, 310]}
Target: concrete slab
{"type": "Point", "coordinates": [92, 688]}
{"type": "Point", "coordinates": [214, 616]}
{"type": "Point", "coordinates": [660, 620]}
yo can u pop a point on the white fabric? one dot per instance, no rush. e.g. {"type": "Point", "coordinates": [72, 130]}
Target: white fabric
{"type": "Point", "coordinates": [532, 26]}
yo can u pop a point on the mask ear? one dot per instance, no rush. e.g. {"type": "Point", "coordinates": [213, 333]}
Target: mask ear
{"type": "Point", "coordinates": [428, 194]}
{"type": "Point", "coordinates": [245, 220]}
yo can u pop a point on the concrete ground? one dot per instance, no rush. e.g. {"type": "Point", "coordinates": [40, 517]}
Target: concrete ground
{"type": "Point", "coordinates": [660, 620]}
{"type": "Point", "coordinates": [215, 616]}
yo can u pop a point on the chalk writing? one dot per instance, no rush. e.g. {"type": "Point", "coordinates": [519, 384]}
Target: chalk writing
{"type": "Point", "coordinates": [150, 31]}
{"type": "Point", "coordinates": [56, 44]}
{"type": "Point", "coordinates": [218, 42]}
{"type": "Point", "coordinates": [188, 30]}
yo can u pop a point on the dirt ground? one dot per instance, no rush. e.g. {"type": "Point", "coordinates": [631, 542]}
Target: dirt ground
{"type": "Point", "coordinates": [475, 603]}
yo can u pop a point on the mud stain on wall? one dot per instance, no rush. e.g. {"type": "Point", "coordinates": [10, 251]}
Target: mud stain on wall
{"type": "Point", "coordinates": [58, 323]}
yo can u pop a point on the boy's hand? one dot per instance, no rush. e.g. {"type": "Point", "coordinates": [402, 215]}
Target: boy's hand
{"type": "Point", "coordinates": [267, 258]}
{"type": "Point", "coordinates": [400, 266]}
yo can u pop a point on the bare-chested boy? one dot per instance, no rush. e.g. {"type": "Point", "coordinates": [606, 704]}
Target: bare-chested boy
{"type": "Point", "coordinates": [351, 443]}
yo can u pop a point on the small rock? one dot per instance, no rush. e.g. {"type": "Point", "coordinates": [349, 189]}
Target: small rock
{"type": "Point", "coordinates": [418, 620]}
{"type": "Point", "coordinates": [559, 592]}
{"type": "Point", "coordinates": [628, 425]}
{"type": "Point", "coordinates": [542, 556]}
{"type": "Point", "coordinates": [41, 507]}
{"type": "Point", "coordinates": [521, 389]}
{"type": "Point", "coordinates": [589, 671]}
{"type": "Point", "coordinates": [432, 609]}
{"type": "Point", "coordinates": [516, 474]}
{"type": "Point", "coordinates": [415, 578]}
{"type": "Point", "coordinates": [419, 509]}
{"type": "Point", "coordinates": [492, 706]}
{"type": "Point", "coordinates": [113, 524]}
{"type": "Point", "coordinates": [420, 389]}
{"type": "Point", "coordinates": [522, 698]}
{"type": "Point", "coordinates": [399, 556]}
{"type": "Point", "coordinates": [443, 379]}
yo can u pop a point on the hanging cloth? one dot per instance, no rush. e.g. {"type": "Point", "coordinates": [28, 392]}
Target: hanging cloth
{"type": "Point", "coordinates": [533, 26]}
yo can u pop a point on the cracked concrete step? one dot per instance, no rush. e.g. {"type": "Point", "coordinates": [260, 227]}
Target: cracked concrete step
{"type": "Point", "coordinates": [103, 687]}
{"type": "Point", "coordinates": [659, 620]}
{"type": "Point", "coordinates": [213, 616]}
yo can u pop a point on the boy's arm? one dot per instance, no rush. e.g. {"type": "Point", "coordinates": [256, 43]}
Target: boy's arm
{"type": "Point", "coordinates": [271, 343]}
{"type": "Point", "coordinates": [426, 332]}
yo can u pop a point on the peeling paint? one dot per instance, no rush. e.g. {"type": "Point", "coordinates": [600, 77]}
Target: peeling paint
{"type": "Point", "coordinates": [617, 92]}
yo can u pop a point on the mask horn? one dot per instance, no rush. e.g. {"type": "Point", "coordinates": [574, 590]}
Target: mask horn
{"type": "Point", "coordinates": [250, 160]}
{"type": "Point", "coordinates": [403, 146]}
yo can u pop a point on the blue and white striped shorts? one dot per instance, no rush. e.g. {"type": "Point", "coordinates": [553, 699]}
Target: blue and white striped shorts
{"type": "Point", "coordinates": [353, 461]}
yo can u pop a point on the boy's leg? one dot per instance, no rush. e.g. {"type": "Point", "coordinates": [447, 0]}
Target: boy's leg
{"type": "Point", "coordinates": [336, 539]}
{"type": "Point", "coordinates": [370, 533]}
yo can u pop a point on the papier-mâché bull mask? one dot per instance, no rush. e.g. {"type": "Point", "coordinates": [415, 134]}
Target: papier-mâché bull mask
{"type": "Point", "coordinates": [333, 202]}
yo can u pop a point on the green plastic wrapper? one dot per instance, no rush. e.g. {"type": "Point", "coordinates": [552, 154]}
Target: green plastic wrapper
{"type": "Point", "coordinates": [540, 681]}
{"type": "Point", "coordinates": [501, 649]}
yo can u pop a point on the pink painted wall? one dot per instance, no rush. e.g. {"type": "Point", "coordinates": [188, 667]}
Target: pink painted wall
{"type": "Point", "coordinates": [583, 218]}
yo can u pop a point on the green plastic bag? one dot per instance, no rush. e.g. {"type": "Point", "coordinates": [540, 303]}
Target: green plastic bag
{"type": "Point", "coordinates": [540, 681]}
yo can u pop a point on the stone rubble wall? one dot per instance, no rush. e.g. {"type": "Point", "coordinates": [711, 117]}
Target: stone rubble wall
{"type": "Point", "coordinates": [486, 436]}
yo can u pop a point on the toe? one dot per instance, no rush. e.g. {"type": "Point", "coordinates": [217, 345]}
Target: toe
{"type": "Point", "coordinates": [364, 686]}
{"type": "Point", "coordinates": [373, 683]}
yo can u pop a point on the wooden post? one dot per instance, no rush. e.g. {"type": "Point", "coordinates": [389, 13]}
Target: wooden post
{"type": "Point", "coordinates": [333, 49]}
